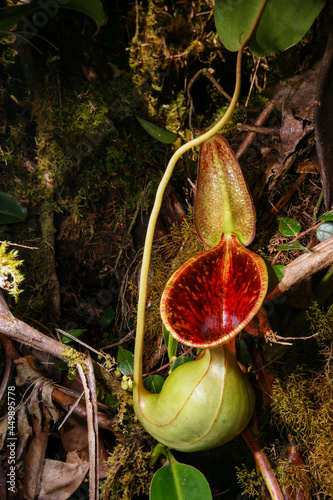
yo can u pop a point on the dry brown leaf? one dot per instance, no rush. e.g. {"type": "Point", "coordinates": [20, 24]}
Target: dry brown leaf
{"type": "Point", "coordinates": [24, 428]}
{"type": "Point", "coordinates": [61, 479]}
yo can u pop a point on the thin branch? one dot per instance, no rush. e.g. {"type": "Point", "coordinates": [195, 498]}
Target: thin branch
{"type": "Point", "coordinates": [251, 135]}
{"type": "Point", "coordinates": [25, 334]}
{"type": "Point", "coordinates": [300, 235]}
{"type": "Point", "coordinates": [17, 245]}
{"type": "Point", "coordinates": [92, 438]}
{"type": "Point", "coordinates": [257, 129]}
{"type": "Point", "coordinates": [75, 339]}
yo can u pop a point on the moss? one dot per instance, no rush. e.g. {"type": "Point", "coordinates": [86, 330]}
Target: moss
{"type": "Point", "coordinates": [174, 250]}
{"type": "Point", "coordinates": [250, 481]}
{"type": "Point", "coordinates": [304, 406]}
{"type": "Point", "coordinates": [10, 274]}
{"type": "Point", "coordinates": [73, 358]}
{"type": "Point", "coordinates": [129, 474]}
{"type": "Point", "coordinates": [321, 323]}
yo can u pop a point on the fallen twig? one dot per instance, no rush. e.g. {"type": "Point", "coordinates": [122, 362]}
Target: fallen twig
{"type": "Point", "coordinates": [304, 267]}
{"type": "Point", "coordinates": [92, 432]}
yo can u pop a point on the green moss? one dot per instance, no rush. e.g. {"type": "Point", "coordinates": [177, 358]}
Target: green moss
{"type": "Point", "coordinates": [10, 274]}
{"type": "Point", "coordinates": [304, 405]}
{"type": "Point", "coordinates": [321, 322]}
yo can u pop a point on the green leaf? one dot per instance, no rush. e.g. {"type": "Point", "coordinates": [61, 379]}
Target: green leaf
{"type": "Point", "coordinates": [75, 333]}
{"type": "Point", "coordinates": [17, 13]}
{"type": "Point", "coordinates": [176, 481]}
{"type": "Point", "coordinates": [278, 271]}
{"type": "Point", "coordinates": [326, 216]}
{"type": "Point", "coordinates": [181, 361]}
{"type": "Point", "coordinates": [125, 361]}
{"type": "Point", "coordinates": [294, 245]}
{"type": "Point", "coordinates": [61, 365]}
{"type": "Point", "coordinates": [154, 383]}
{"type": "Point", "coordinates": [325, 231]}
{"type": "Point", "coordinates": [11, 210]}
{"type": "Point", "coordinates": [170, 342]}
{"type": "Point", "coordinates": [158, 133]}
{"type": "Point", "coordinates": [275, 275]}
{"type": "Point", "coordinates": [289, 227]}
{"type": "Point", "coordinates": [282, 24]}
{"type": "Point", "coordinates": [108, 317]}
{"type": "Point", "coordinates": [111, 401]}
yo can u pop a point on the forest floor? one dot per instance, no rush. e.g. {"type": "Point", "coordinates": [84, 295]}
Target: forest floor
{"type": "Point", "coordinates": [74, 154]}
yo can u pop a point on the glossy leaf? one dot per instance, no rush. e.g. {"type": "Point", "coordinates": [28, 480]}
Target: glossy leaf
{"type": "Point", "coordinates": [326, 216]}
{"type": "Point", "coordinates": [325, 231]}
{"type": "Point", "coordinates": [275, 275]}
{"type": "Point", "coordinates": [223, 203]}
{"type": "Point", "coordinates": [180, 361]}
{"type": "Point", "coordinates": [108, 317]}
{"type": "Point", "coordinates": [125, 361]}
{"type": "Point", "coordinates": [279, 271]}
{"type": "Point", "coordinates": [13, 15]}
{"type": "Point", "coordinates": [75, 333]}
{"type": "Point", "coordinates": [154, 383]}
{"type": "Point", "coordinates": [289, 227]}
{"type": "Point", "coordinates": [214, 295]}
{"type": "Point", "coordinates": [11, 210]}
{"type": "Point", "coordinates": [176, 481]}
{"type": "Point", "coordinates": [158, 133]}
{"type": "Point", "coordinates": [282, 23]}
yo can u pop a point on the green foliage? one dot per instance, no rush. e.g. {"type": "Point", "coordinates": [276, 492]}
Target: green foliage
{"type": "Point", "coordinates": [75, 333]}
{"type": "Point", "coordinates": [154, 383]}
{"type": "Point", "coordinates": [325, 231]}
{"type": "Point", "coordinates": [11, 210]}
{"type": "Point", "coordinates": [250, 481]}
{"type": "Point", "coordinates": [15, 14]}
{"type": "Point", "coordinates": [281, 25]}
{"type": "Point", "coordinates": [180, 361]}
{"type": "Point", "coordinates": [304, 405]}
{"type": "Point", "coordinates": [321, 323]}
{"type": "Point", "coordinates": [289, 227]}
{"type": "Point", "coordinates": [176, 481]}
{"type": "Point", "coordinates": [326, 216]}
{"type": "Point", "coordinates": [293, 245]}
{"type": "Point", "coordinates": [10, 274]}
{"type": "Point", "coordinates": [278, 271]}
{"type": "Point", "coordinates": [158, 133]}
{"type": "Point", "coordinates": [128, 474]}
{"type": "Point", "coordinates": [170, 342]}
{"type": "Point", "coordinates": [108, 317]}
{"type": "Point", "coordinates": [125, 361]}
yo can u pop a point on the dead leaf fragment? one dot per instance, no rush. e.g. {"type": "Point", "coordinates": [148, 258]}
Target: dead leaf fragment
{"type": "Point", "coordinates": [61, 479]}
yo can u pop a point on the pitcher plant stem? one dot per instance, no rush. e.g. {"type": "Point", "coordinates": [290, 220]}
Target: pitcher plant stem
{"type": "Point", "coordinates": [158, 202]}
{"type": "Point", "coordinates": [263, 465]}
